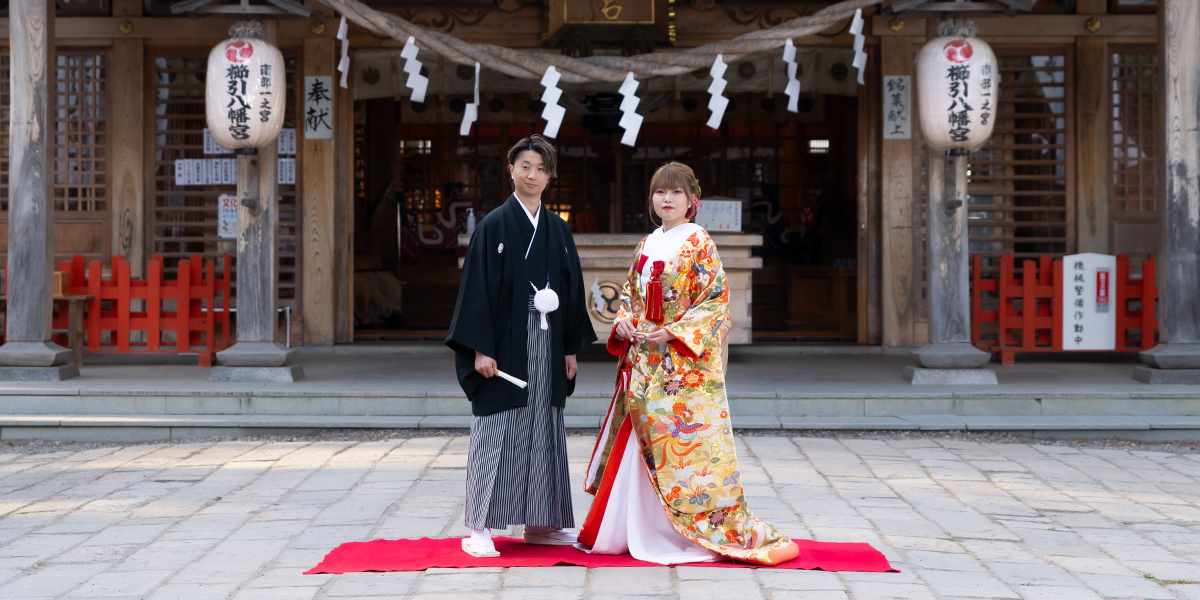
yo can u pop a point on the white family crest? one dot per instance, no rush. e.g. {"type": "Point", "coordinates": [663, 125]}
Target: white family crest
{"type": "Point", "coordinates": [500, 248]}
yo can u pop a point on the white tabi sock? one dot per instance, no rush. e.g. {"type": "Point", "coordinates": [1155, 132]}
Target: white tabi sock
{"type": "Point", "coordinates": [482, 538]}
{"type": "Point", "coordinates": [551, 532]}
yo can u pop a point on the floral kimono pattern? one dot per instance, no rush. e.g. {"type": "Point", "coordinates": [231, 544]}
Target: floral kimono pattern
{"type": "Point", "coordinates": [678, 410]}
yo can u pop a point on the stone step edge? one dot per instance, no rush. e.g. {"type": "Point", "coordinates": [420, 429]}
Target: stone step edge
{"type": "Point", "coordinates": [908, 422]}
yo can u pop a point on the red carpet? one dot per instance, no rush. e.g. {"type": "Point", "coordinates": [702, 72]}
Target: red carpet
{"type": "Point", "coordinates": [426, 553]}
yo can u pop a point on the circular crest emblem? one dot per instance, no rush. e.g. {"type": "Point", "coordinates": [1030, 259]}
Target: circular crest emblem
{"type": "Point", "coordinates": [239, 50]}
{"type": "Point", "coordinates": [958, 51]}
{"type": "Point", "coordinates": [606, 300]}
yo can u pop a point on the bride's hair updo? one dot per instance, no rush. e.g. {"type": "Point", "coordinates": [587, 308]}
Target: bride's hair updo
{"type": "Point", "coordinates": [672, 176]}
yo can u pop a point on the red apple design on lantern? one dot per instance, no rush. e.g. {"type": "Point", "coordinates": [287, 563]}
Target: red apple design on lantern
{"type": "Point", "coordinates": [241, 50]}
{"type": "Point", "coordinates": [958, 51]}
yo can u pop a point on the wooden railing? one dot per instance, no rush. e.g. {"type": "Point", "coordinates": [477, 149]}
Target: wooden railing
{"type": "Point", "coordinates": [189, 314]}
{"type": "Point", "coordinates": [1024, 315]}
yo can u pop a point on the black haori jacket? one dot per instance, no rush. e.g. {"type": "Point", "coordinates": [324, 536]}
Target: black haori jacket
{"type": "Point", "coordinates": [493, 307]}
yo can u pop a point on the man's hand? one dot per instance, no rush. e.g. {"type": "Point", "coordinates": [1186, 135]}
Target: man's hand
{"type": "Point", "coordinates": [572, 366]}
{"type": "Point", "coordinates": [485, 365]}
{"type": "Point", "coordinates": [658, 336]}
{"type": "Point", "coordinates": [624, 329]}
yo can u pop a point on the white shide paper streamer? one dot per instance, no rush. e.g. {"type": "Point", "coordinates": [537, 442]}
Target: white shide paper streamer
{"type": "Point", "coordinates": [630, 120]}
{"type": "Point", "coordinates": [793, 85]}
{"type": "Point", "coordinates": [716, 102]}
{"type": "Point", "coordinates": [860, 57]}
{"type": "Point", "coordinates": [343, 65]}
{"type": "Point", "coordinates": [471, 112]}
{"type": "Point", "coordinates": [552, 113]}
{"type": "Point", "coordinates": [416, 81]}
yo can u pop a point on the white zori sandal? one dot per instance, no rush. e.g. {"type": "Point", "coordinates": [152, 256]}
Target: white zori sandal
{"type": "Point", "coordinates": [548, 536]}
{"type": "Point", "coordinates": [479, 549]}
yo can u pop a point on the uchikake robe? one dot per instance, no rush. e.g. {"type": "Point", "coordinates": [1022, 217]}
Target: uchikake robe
{"type": "Point", "coordinates": [493, 306]}
{"type": "Point", "coordinates": [671, 397]}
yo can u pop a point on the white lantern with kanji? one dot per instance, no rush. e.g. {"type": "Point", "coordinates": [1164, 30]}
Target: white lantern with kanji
{"type": "Point", "coordinates": [958, 88]}
{"type": "Point", "coordinates": [246, 89]}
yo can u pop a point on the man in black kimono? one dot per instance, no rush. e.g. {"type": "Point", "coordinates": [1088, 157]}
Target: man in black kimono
{"type": "Point", "coordinates": [517, 458]}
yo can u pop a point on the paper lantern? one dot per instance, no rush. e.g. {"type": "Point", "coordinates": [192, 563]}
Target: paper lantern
{"type": "Point", "coordinates": [246, 90]}
{"type": "Point", "coordinates": [958, 88]}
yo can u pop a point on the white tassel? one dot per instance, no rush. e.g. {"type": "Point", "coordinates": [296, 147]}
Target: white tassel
{"type": "Point", "coordinates": [716, 102]}
{"type": "Point", "coordinates": [860, 57]}
{"type": "Point", "coordinates": [552, 112]}
{"type": "Point", "coordinates": [630, 120]}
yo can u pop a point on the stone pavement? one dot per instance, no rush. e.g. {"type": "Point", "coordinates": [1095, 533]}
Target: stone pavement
{"type": "Point", "coordinates": [243, 519]}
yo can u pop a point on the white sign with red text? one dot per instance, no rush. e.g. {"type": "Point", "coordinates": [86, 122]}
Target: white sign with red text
{"type": "Point", "coordinates": [1089, 307]}
{"type": "Point", "coordinates": [227, 205]}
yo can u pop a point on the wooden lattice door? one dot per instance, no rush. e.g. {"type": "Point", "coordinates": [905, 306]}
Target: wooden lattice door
{"type": "Point", "coordinates": [1022, 188]}
{"type": "Point", "coordinates": [182, 220]}
{"type": "Point", "coordinates": [1136, 224]}
{"type": "Point", "coordinates": [80, 151]}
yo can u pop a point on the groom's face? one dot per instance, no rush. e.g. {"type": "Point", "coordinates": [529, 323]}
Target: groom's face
{"type": "Point", "coordinates": [529, 174]}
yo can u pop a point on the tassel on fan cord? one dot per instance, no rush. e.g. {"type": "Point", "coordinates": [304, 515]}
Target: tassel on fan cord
{"type": "Point", "coordinates": [654, 293]}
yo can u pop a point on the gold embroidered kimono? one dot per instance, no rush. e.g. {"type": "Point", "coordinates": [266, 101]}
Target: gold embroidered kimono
{"type": "Point", "coordinates": [675, 405]}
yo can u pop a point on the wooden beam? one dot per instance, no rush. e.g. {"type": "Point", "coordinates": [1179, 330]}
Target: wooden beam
{"type": "Point", "coordinates": [125, 101]}
{"type": "Point", "coordinates": [1034, 26]}
{"type": "Point", "coordinates": [1093, 146]}
{"type": "Point", "coordinates": [317, 207]}
{"type": "Point", "coordinates": [127, 8]}
{"type": "Point", "coordinates": [1091, 7]}
{"type": "Point", "coordinates": [898, 283]}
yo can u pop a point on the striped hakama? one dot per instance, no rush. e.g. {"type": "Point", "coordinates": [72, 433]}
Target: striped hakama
{"type": "Point", "coordinates": [517, 459]}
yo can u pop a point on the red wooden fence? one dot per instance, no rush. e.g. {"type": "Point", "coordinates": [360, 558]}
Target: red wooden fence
{"type": "Point", "coordinates": [1028, 310]}
{"type": "Point", "coordinates": [197, 322]}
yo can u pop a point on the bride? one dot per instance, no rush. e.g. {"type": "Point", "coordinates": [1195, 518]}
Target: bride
{"type": "Point", "coordinates": [664, 470]}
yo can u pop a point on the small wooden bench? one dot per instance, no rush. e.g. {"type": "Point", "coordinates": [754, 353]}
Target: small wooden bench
{"type": "Point", "coordinates": [75, 304]}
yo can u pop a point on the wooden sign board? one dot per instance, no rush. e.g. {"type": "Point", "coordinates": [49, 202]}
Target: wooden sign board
{"type": "Point", "coordinates": [1089, 310]}
{"type": "Point", "coordinates": [608, 20]}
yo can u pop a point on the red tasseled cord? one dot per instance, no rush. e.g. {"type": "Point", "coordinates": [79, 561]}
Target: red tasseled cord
{"type": "Point", "coordinates": [654, 293]}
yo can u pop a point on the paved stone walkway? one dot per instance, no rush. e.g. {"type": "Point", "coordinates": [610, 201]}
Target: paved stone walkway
{"type": "Point", "coordinates": [243, 519]}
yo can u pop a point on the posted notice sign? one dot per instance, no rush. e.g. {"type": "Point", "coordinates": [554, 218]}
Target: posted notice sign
{"type": "Point", "coordinates": [720, 215]}
{"type": "Point", "coordinates": [227, 205]}
{"type": "Point", "coordinates": [1089, 308]}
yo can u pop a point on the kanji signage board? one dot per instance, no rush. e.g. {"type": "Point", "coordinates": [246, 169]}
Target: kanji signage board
{"type": "Point", "coordinates": [1089, 307]}
{"type": "Point", "coordinates": [318, 107]}
{"type": "Point", "coordinates": [897, 107]}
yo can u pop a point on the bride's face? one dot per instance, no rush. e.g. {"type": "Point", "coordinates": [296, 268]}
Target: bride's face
{"type": "Point", "coordinates": [671, 205]}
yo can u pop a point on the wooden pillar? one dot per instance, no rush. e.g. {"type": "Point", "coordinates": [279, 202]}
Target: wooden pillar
{"type": "Point", "coordinates": [1179, 289]}
{"type": "Point", "coordinates": [318, 228]}
{"type": "Point", "coordinates": [343, 134]}
{"type": "Point", "coordinates": [1093, 146]}
{"type": "Point", "coordinates": [870, 128]}
{"type": "Point", "coordinates": [31, 207]}
{"type": "Point", "coordinates": [949, 344]}
{"type": "Point", "coordinates": [126, 103]}
{"type": "Point", "coordinates": [900, 277]}
{"type": "Point", "coordinates": [257, 356]}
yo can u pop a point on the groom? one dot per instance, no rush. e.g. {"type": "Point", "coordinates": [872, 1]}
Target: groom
{"type": "Point", "coordinates": [517, 457]}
